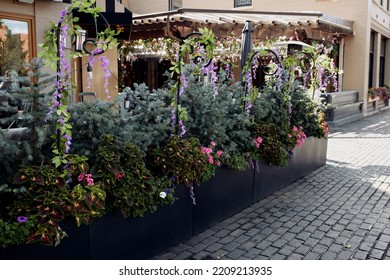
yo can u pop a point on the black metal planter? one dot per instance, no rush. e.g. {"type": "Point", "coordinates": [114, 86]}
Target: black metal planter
{"type": "Point", "coordinates": [270, 179]}
{"type": "Point", "coordinates": [225, 194]}
{"type": "Point", "coordinates": [113, 237]}
{"type": "Point", "coordinates": [228, 192]}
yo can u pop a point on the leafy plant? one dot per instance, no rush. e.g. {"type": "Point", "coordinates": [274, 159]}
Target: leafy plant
{"type": "Point", "coordinates": [49, 196]}
{"type": "Point", "coordinates": [183, 161]}
{"type": "Point", "coordinates": [147, 124]}
{"type": "Point", "coordinates": [272, 147]}
{"type": "Point", "coordinates": [23, 108]}
{"type": "Point", "coordinates": [306, 113]}
{"type": "Point", "coordinates": [129, 185]}
{"type": "Point", "coordinates": [92, 120]}
{"type": "Point", "coordinates": [214, 113]}
{"type": "Point", "coordinates": [16, 231]}
{"type": "Point", "coordinates": [371, 92]}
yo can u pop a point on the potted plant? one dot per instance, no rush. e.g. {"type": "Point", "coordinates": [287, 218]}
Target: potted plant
{"type": "Point", "coordinates": [386, 95]}
{"type": "Point", "coordinates": [134, 205]}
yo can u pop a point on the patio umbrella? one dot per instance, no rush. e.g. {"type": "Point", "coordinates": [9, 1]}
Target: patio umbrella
{"type": "Point", "coordinates": [246, 43]}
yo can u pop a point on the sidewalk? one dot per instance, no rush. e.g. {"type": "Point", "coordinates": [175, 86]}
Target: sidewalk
{"type": "Point", "coordinates": [340, 211]}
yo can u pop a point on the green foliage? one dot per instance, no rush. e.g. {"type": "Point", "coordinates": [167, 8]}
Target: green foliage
{"type": "Point", "coordinates": [92, 120]}
{"type": "Point", "coordinates": [117, 144]}
{"type": "Point", "coordinates": [13, 55]}
{"type": "Point", "coordinates": [129, 185]}
{"type": "Point", "coordinates": [272, 124]}
{"type": "Point", "coordinates": [87, 7]}
{"type": "Point", "coordinates": [147, 123]}
{"type": "Point", "coordinates": [306, 113]}
{"type": "Point", "coordinates": [14, 232]}
{"type": "Point", "coordinates": [23, 138]}
{"type": "Point", "coordinates": [183, 161]}
{"type": "Point", "coordinates": [53, 51]}
{"type": "Point", "coordinates": [216, 115]}
{"type": "Point", "coordinates": [273, 148]}
{"type": "Point", "coordinates": [49, 196]}
{"type": "Point", "coordinates": [199, 48]}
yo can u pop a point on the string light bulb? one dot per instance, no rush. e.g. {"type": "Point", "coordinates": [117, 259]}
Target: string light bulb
{"type": "Point", "coordinates": [89, 71]}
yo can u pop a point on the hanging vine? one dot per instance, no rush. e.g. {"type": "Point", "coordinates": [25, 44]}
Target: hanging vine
{"type": "Point", "coordinates": [55, 54]}
{"type": "Point", "coordinates": [199, 47]}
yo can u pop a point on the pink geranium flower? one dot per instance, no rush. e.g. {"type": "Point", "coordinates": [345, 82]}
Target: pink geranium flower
{"type": "Point", "coordinates": [258, 141]}
{"type": "Point", "coordinates": [80, 177]}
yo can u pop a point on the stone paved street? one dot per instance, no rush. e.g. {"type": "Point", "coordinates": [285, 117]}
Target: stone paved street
{"type": "Point", "coordinates": [340, 211]}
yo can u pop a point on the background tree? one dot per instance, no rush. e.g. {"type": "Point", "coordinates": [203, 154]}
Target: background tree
{"type": "Point", "coordinates": [12, 57]}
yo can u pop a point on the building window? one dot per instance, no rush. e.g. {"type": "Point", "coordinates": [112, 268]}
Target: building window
{"type": "Point", "coordinates": [242, 3]}
{"type": "Point", "coordinates": [382, 62]}
{"type": "Point", "coordinates": [371, 65]}
{"type": "Point", "coordinates": [175, 4]}
{"type": "Point", "coordinates": [16, 46]}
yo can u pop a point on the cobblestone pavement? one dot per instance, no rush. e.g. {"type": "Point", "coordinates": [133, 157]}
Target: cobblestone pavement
{"type": "Point", "coordinates": [340, 211]}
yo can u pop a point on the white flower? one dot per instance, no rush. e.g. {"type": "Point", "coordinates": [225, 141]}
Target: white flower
{"type": "Point", "coordinates": [163, 194]}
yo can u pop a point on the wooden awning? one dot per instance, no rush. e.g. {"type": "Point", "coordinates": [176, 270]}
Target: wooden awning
{"type": "Point", "coordinates": [235, 19]}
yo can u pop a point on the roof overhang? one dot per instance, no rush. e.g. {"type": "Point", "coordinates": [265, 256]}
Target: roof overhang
{"type": "Point", "coordinates": [237, 18]}
{"type": "Point", "coordinates": [113, 14]}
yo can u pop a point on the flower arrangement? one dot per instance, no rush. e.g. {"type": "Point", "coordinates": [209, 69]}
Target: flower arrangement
{"type": "Point", "coordinates": [46, 196]}
{"type": "Point", "coordinates": [298, 136]}
{"type": "Point", "coordinates": [381, 92]}
{"type": "Point", "coordinates": [128, 183]}
{"type": "Point", "coordinates": [186, 162]}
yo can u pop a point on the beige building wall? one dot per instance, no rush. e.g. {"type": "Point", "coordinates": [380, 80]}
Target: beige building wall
{"type": "Point", "coordinates": [147, 6]}
{"type": "Point", "coordinates": [9, 6]}
{"type": "Point", "coordinates": [98, 80]}
{"type": "Point", "coordinates": [209, 4]}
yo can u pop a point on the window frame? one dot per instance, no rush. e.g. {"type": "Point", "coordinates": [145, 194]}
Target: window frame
{"type": "Point", "coordinates": [237, 5]}
{"type": "Point", "coordinates": [382, 61]}
{"type": "Point", "coordinates": [30, 20]}
{"type": "Point", "coordinates": [371, 59]}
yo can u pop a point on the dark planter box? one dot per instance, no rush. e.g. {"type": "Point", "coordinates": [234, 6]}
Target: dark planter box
{"type": "Point", "coordinates": [113, 237]}
{"type": "Point", "coordinates": [228, 192]}
{"type": "Point", "coordinates": [225, 194]}
{"type": "Point", "coordinates": [307, 158]}
{"type": "Point", "coordinates": [270, 179]}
